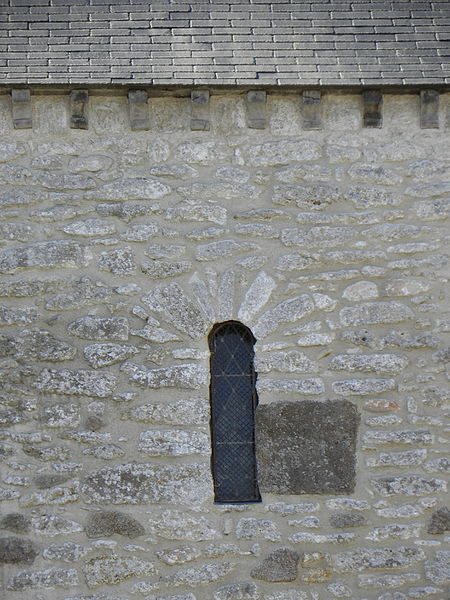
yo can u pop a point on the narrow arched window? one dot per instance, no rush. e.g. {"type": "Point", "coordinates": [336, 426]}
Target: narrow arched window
{"type": "Point", "coordinates": [233, 402]}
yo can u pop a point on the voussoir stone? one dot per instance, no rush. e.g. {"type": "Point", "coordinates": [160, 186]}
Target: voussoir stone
{"type": "Point", "coordinates": [285, 312]}
{"type": "Point", "coordinates": [279, 565]}
{"type": "Point", "coordinates": [57, 253]}
{"type": "Point", "coordinates": [16, 550]}
{"type": "Point", "coordinates": [105, 523]}
{"type": "Point", "coordinates": [100, 329]}
{"type": "Point", "coordinates": [76, 382]}
{"type": "Point", "coordinates": [136, 483]}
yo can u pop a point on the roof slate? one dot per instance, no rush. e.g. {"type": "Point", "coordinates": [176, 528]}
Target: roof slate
{"type": "Point", "coordinates": [248, 42]}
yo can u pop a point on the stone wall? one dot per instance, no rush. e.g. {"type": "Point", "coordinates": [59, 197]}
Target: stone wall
{"type": "Point", "coordinates": [121, 249]}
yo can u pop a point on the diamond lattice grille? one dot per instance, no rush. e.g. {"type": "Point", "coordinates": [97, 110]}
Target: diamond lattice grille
{"type": "Point", "coordinates": [233, 402]}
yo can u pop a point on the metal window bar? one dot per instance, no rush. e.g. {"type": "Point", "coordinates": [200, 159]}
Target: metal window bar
{"type": "Point", "coordinates": [233, 401]}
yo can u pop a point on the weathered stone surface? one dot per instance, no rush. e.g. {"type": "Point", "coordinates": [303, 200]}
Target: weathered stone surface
{"type": "Point", "coordinates": [363, 387]}
{"type": "Point", "coordinates": [56, 496]}
{"type": "Point", "coordinates": [161, 269]}
{"type": "Point", "coordinates": [61, 414]}
{"type": "Point", "coordinates": [305, 537]}
{"type": "Point", "coordinates": [105, 355]}
{"type": "Point", "coordinates": [76, 382]}
{"type": "Point", "coordinates": [100, 329]}
{"type": "Point", "coordinates": [279, 565]}
{"type": "Point", "coordinates": [139, 232]}
{"type": "Point", "coordinates": [374, 173]}
{"type": "Point", "coordinates": [256, 297]}
{"type": "Point", "coordinates": [372, 313]}
{"type": "Point", "coordinates": [291, 361]}
{"type": "Point", "coordinates": [16, 523]}
{"type": "Point", "coordinates": [118, 262]}
{"type": "Point", "coordinates": [376, 363]}
{"type": "Point", "coordinates": [310, 387]}
{"type": "Point", "coordinates": [237, 591]}
{"type": "Point", "coordinates": [15, 550]}
{"type": "Point", "coordinates": [188, 376]}
{"type": "Point", "coordinates": [136, 483]}
{"type": "Point", "coordinates": [325, 236]}
{"type": "Point", "coordinates": [127, 211]}
{"type": "Point", "coordinates": [90, 162]}
{"type": "Point", "coordinates": [47, 579]}
{"type": "Point", "coordinates": [420, 437]}
{"type": "Point", "coordinates": [380, 582]}
{"type": "Point", "coordinates": [311, 449]}
{"type": "Point", "coordinates": [138, 188]}
{"type": "Point", "coordinates": [178, 308]}
{"type": "Point", "coordinates": [82, 292]}
{"type": "Point", "coordinates": [259, 230]}
{"type": "Point", "coordinates": [249, 528]}
{"type": "Point", "coordinates": [342, 520]}
{"type": "Point", "coordinates": [399, 459]}
{"type": "Point", "coordinates": [370, 197]}
{"type": "Point", "coordinates": [104, 570]}
{"type": "Point", "coordinates": [17, 316]}
{"type": "Point", "coordinates": [58, 253]}
{"type": "Point", "coordinates": [215, 250]}
{"type": "Point", "coordinates": [176, 525]}
{"type": "Point", "coordinates": [439, 571]}
{"type": "Point", "coordinates": [201, 153]}
{"type": "Point", "coordinates": [41, 345]}
{"type": "Point", "coordinates": [285, 312]}
{"type": "Point", "coordinates": [105, 523]}
{"type": "Point", "coordinates": [315, 196]}
{"type": "Point", "coordinates": [173, 442]}
{"type": "Point", "coordinates": [90, 228]}
{"type": "Point", "coordinates": [68, 552]}
{"type": "Point", "coordinates": [47, 480]}
{"type": "Point", "coordinates": [197, 575]}
{"type": "Point", "coordinates": [213, 214]}
{"type": "Point", "coordinates": [105, 451]}
{"type": "Point", "coordinates": [440, 521]}
{"type": "Point", "coordinates": [51, 525]}
{"type": "Point", "coordinates": [191, 411]}
{"type": "Point", "coordinates": [395, 531]}
{"type": "Point", "coordinates": [361, 559]}
{"type": "Point", "coordinates": [430, 210]}
{"type": "Point", "coordinates": [281, 152]}
{"type": "Point", "coordinates": [223, 191]}
{"type": "Point", "coordinates": [408, 485]}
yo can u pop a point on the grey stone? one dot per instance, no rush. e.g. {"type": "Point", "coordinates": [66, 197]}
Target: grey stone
{"type": "Point", "coordinates": [90, 228]}
{"type": "Point", "coordinates": [192, 411]}
{"type": "Point", "coordinates": [310, 450]}
{"type": "Point", "coordinates": [62, 414]}
{"type": "Point", "coordinates": [57, 253]}
{"type": "Point", "coordinates": [342, 520]}
{"type": "Point", "coordinates": [429, 210]}
{"type": "Point", "coordinates": [136, 483]}
{"type": "Point", "coordinates": [249, 528]}
{"type": "Point", "coordinates": [259, 230]}
{"type": "Point", "coordinates": [15, 550]}
{"type": "Point", "coordinates": [161, 269]}
{"type": "Point", "coordinates": [237, 591]}
{"type": "Point", "coordinates": [440, 521]}
{"type": "Point", "coordinates": [311, 386]}
{"type": "Point", "coordinates": [41, 345]}
{"type": "Point", "coordinates": [173, 442]}
{"type": "Point", "coordinates": [113, 570]}
{"type": "Point", "coordinates": [371, 197]}
{"type": "Point", "coordinates": [68, 552]}
{"type": "Point", "coordinates": [377, 363]}
{"type": "Point", "coordinates": [372, 313]}
{"type": "Point", "coordinates": [395, 531]}
{"type": "Point", "coordinates": [127, 211]}
{"type": "Point", "coordinates": [46, 579]}
{"type": "Point", "coordinates": [82, 292]}
{"type": "Point", "coordinates": [182, 213]}
{"type": "Point", "coordinates": [51, 525]}
{"type": "Point", "coordinates": [294, 262]}
{"type": "Point", "coordinates": [100, 329]}
{"type": "Point", "coordinates": [285, 312]}
{"type": "Point", "coordinates": [221, 190]}
{"type": "Point", "coordinates": [47, 480]}
{"type": "Point", "coordinates": [201, 153]}
{"type": "Point", "coordinates": [291, 361]}
{"type": "Point", "coordinates": [36, 287]}
{"type": "Point", "coordinates": [11, 150]}
{"type": "Point", "coordinates": [90, 162]}
{"type": "Point", "coordinates": [17, 316]}
{"type": "Point", "coordinates": [105, 451]}
{"type": "Point", "coordinates": [374, 173]}
{"type": "Point", "coordinates": [256, 297]}
{"type": "Point", "coordinates": [179, 171]}
{"type": "Point", "coordinates": [215, 250]}
{"type": "Point", "coordinates": [312, 196]}
{"type": "Point", "coordinates": [281, 152]}
{"type": "Point", "coordinates": [56, 496]}
{"type": "Point", "coordinates": [105, 523]}
{"type": "Point", "coordinates": [118, 262]}
{"type": "Point", "coordinates": [361, 559]}
{"type": "Point", "coordinates": [19, 196]}
{"type": "Point", "coordinates": [140, 232]}
{"type": "Point", "coordinates": [408, 485]}
{"type": "Point", "coordinates": [391, 580]}
{"type": "Point", "coordinates": [206, 573]}
{"type": "Point", "coordinates": [105, 355]}
{"type": "Point", "coordinates": [421, 437]}
{"type": "Point", "coordinates": [176, 525]}
{"type": "Point", "coordinates": [400, 459]}
{"type": "Point", "coordinates": [261, 214]}
{"type": "Point", "coordinates": [15, 231]}
{"type": "Point", "coordinates": [439, 571]}
{"type": "Point", "coordinates": [324, 237]}
{"type": "Point", "coordinates": [188, 376]}
{"type": "Point", "coordinates": [16, 523]}
{"type": "Point", "coordinates": [76, 382]}
{"type": "Point", "coordinates": [363, 387]}
{"type": "Point", "coordinates": [279, 565]}
{"type": "Point", "coordinates": [310, 173]}
{"type": "Point", "coordinates": [178, 308]}
{"type": "Point", "coordinates": [137, 188]}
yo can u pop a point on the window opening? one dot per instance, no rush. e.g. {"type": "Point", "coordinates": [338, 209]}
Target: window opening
{"type": "Point", "coordinates": [233, 400]}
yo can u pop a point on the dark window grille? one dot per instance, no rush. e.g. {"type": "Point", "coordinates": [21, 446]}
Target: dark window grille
{"type": "Point", "coordinates": [233, 402]}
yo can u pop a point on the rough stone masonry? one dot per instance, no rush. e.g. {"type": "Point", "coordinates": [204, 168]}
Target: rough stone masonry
{"type": "Point", "coordinates": [121, 249]}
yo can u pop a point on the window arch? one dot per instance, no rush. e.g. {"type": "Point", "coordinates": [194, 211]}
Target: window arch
{"type": "Point", "coordinates": [233, 400]}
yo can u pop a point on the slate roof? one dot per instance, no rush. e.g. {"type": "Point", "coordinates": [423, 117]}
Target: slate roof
{"type": "Point", "coordinates": [247, 42]}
